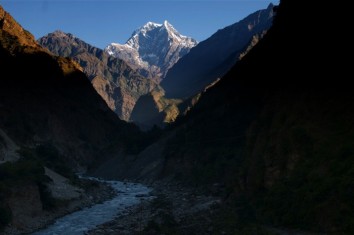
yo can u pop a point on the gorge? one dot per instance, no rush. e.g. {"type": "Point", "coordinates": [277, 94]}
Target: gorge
{"type": "Point", "coordinates": [267, 149]}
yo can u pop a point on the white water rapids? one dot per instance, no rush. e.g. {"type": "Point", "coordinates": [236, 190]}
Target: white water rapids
{"type": "Point", "coordinates": [81, 221]}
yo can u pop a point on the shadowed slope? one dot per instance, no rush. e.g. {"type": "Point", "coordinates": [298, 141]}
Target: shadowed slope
{"type": "Point", "coordinates": [118, 84]}
{"type": "Point", "coordinates": [212, 58]}
{"type": "Point", "coordinates": [273, 133]}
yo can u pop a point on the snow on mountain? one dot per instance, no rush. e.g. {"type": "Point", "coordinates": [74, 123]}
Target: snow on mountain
{"type": "Point", "coordinates": [153, 49]}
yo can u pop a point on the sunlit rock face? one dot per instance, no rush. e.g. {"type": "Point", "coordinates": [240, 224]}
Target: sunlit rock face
{"type": "Point", "coordinates": [116, 82]}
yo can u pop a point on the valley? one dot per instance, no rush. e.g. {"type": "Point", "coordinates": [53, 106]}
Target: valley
{"type": "Point", "coordinates": [132, 78]}
{"type": "Point", "coordinates": [236, 134]}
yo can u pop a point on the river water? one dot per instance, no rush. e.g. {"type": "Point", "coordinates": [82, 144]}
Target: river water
{"type": "Point", "coordinates": [81, 221]}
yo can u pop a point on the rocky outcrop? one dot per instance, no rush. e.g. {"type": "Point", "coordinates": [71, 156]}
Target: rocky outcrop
{"type": "Point", "coordinates": [60, 186]}
{"type": "Point", "coordinates": [25, 204]}
{"type": "Point", "coordinates": [23, 37]}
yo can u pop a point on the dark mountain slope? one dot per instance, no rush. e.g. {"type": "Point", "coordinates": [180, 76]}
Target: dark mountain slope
{"type": "Point", "coordinates": [50, 116]}
{"type": "Point", "coordinates": [212, 58]}
{"type": "Point", "coordinates": [201, 68]}
{"type": "Point", "coordinates": [45, 98]}
{"type": "Point", "coordinates": [118, 84]}
{"type": "Point", "coordinates": [274, 132]}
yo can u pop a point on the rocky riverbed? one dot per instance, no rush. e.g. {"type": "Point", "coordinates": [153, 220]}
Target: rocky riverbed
{"type": "Point", "coordinates": [93, 192]}
{"type": "Point", "coordinates": [127, 194]}
{"type": "Point", "coordinates": [173, 209]}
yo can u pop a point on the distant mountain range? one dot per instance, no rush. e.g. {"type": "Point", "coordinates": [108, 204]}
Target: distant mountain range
{"type": "Point", "coordinates": [153, 49]}
{"type": "Point", "coordinates": [212, 58]}
{"type": "Point", "coordinates": [124, 74]}
{"type": "Point", "coordinates": [121, 74]}
{"type": "Point", "coordinates": [117, 83]}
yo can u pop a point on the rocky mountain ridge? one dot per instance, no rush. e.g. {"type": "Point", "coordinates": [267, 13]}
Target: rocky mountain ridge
{"type": "Point", "coordinates": [213, 57]}
{"type": "Point", "coordinates": [118, 84]}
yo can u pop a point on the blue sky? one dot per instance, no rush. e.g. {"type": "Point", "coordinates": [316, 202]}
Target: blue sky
{"type": "Point", "coordinates": [100, 22]}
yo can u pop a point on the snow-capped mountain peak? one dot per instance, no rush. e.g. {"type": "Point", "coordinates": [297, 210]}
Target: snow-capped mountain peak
{"type": "Point", "coordinates": [146, 28]}
{"type": "Point", "coordinates": [167, 25]}
{"type": "Point", "coordinates": [172, 32]}
{"type": "Point", "coordinates": [153, 47]}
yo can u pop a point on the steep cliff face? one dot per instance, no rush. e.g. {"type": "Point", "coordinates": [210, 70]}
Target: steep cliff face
{"type": "Point", "coordinates": [118, 84]}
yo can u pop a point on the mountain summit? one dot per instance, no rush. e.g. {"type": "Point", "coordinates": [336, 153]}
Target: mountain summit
{"type": "Point", "coordinates": [153, 49]}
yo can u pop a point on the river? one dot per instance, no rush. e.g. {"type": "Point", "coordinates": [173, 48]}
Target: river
{"type": "Point", "coordinates": [81, 221]}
